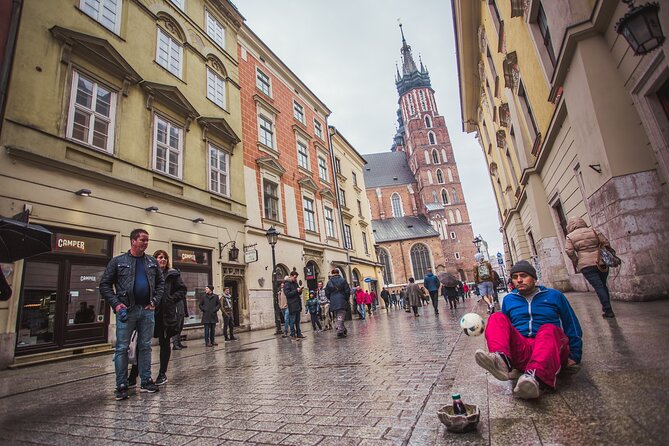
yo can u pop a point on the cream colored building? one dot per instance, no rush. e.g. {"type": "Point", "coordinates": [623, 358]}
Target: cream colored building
{"type": "Point", "coordinates": [364, 268]}
{"type": "Point", "coordinates": [571, 123]}
{"type": "Point", "coordinates": [119, 117]}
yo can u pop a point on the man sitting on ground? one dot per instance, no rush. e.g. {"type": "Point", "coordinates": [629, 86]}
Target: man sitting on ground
{"type": "Point", "coordinates": [536, 332]}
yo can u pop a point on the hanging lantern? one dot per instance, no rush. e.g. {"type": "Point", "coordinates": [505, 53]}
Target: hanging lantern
{"type": "Point", "coordinates": [641, 27]}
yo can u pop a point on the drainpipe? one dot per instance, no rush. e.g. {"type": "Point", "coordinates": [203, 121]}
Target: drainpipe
{"type": "Point", "coordinates": [8, 57]}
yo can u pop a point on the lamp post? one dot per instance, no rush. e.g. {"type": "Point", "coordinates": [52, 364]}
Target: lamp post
{"type": "Point", "coordinates": [477, 242]}
{"type": "Point", "coordinates": [272, 236]}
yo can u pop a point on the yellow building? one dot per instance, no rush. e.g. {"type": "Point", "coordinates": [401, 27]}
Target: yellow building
{"type": "Point", "coordinates": [571, 123]}
{"type": "Point", "coordinates": [119, 115]}
{"type": "Point", "coordinates": [364, 269]}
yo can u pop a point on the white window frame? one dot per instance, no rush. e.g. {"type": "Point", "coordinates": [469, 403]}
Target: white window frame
{"type": "Point", "coordinates": [263, 82]}
{"type": "Point", "coordinates": [181, 4]}
{"type": "Point", "coordinates": [298, 112]}
{"type": "Point", "coordinates": [457, 255]}
{"type": "Point", "coordinates": [365, 243]}
{"type": "Point", "coordinates": [215, 29]}
{"type": "Point", "coordinates": [222, 175]}
{"type": "Point", "coordinates": [174, 49]}
{"type": "Point", "coordinates": [453, 235]}
{"type": "Point", "coordinates": [348, 241]}
{"type": "Point", "coordinates": [265, 135]}
{"type": "Point", "coordinates": [318, 129]}
{"type": "Point", "coordinates": [323, 169]}
{"type": "Point", "coordinates": [93, 115]}
{"type": "Point", "coordinates": [399, 212]}
{"type": "Point", "coordinates": [440, 176]}
{"type": "Point", "coordinates": [95, 9]}
{"type": "Point", "coordinates": [303, 155]}
{"type": "Point", "coordinates": [309, 214]}
{"type": "Point", "coordinates": [277, 197]}
{"type": "Point", "coordinates": [216, 88]}
{"type": "Point", "coordinates": [328, 212]}
{"type": "Point", "coordinates": [156, 145]}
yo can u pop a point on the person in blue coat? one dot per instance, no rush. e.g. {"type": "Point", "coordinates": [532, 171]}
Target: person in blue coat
{"type": "Point", "coordinates": [431, 282]}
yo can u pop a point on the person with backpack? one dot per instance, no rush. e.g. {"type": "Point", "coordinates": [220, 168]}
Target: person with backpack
{"type": "Point", "coordinates": [483, 279]}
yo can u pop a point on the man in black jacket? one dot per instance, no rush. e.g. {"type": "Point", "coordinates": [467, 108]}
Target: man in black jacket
{"type": "Point", "coordinates": [338, 291]}
{"type": "Point", "coordinates": [133, 285]}
{"type": "Point", "coordinates": [293, 294]}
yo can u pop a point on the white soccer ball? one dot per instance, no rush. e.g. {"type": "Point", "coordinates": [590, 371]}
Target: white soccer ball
{"type": "Point", "coordinates": [472, 324]}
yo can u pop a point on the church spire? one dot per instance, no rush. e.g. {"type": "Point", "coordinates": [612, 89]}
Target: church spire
{"type": "Point", "coordinates": [408, 64]}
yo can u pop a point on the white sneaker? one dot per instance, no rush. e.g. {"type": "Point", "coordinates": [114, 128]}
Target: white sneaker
{"type": "Point", "coordinates": [527, 387]}
{"type": "Point", "coordinates": [494, 363]}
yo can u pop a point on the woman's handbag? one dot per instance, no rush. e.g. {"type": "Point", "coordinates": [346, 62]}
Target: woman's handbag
{"type": "Point", "coordinates": [607, 255]}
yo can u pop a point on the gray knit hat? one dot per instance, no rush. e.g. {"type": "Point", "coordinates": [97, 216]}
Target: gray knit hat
{"type": "Point", "coordinates": [523, 266]}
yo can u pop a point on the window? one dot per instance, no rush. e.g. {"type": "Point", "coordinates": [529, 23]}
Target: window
{"type": "Point", "coordinates": [533, 246]}
{"type": "Point", "coordinates": [181, 4]}
{"type": "Point", "coordinates": [412, 110]}
{"type": "Point", "coordinates": [215, 30]}
{"type": "Point", "coordinates": [444, 196]}
{"type": "Point", "coordinates": [428, 122]}
{"type": "Point", "coordinates": [421, 96]}
{"type": "Point", "coordinates": [302, 155]}
{"type": "Point", "coordinates": [364, 242]}
{"type": "Point", "coordinates": [457, 256]}
{"type": "Point", "coordinates": [443, 156]}
{"type": "Point", "coordinates": [298, 112]}
{"type": "Point", "coordinates": [562, 218]}
{"type": "Point", "coordinates": [435, 157]}
{"type": "Point", "coordinates": [354, 178]}
{"type": "Point", "coordinates": [454, 196]}
{"type": "Point", "coordinates": [429, 177]}
{"type": "Point", "coordinates": [168, 53]}
{"type": "Point", "coordinates": [359, 208]}
{"type": "Point", "coordinates": [167, 147]}
{"type": "Point", "coordinates": [337, 165]}
{"type": "Point", "coordinates": [451, 217]}
{"type": "Point", "coordinates": [262, 82]}
{"type": "Point", "coordinates": [265, 131]}
{"type": "Point", "coordinates": [458, 216]}
{"type": "Point", "coordinates": [271, 200]}
{"type": "Point", "coordinates": [219, 167]}
{"type": "Point", "coordinates": [309, 215]}
{"type": "Point", "coordinates": [384, 259]}
{"type": "Point", "coordinates": [342, 197]}
{"type": "Point", "coordinates": [106, 12]}
{"type": "Point", "coordinates": [215, 88]}
{"type": "Point", "coordinates": [348, 243]}
{"type": "Point", "coordinates": [329, 222]}
{"type": "Point", "coordinates": [318, 129]}
{"type": "Point", "coordinates": [545, 33]}
{"type": "Point", "coordinates": [494, 12]}
{"type": "Point", "coordinates": [92, 112]}
{"type": "Point", "coordinates": [420, 260]}
{"type": "Point", "coordinates": [450, 175]}
{"type": "Point", "coordinates": [440, 176]}
{"type": "Point", "coordinates": [322, 168]}
{"type": "Point", "coordinates": [453, 235]}
{"type": "Point", "coordinates": [527, 111]}
{"type": "Point", "coordinates": [433, 141]}
{"type": "Point", "coordinates": [396, 203]}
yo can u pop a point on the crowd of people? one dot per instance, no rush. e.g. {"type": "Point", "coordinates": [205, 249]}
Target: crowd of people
{"type": "Point", "coordinates": [535, 335]}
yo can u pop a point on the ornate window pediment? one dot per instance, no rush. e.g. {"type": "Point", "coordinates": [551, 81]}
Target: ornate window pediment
{"type": "Point", "coordinates": [501, 138]}
{"type": "Point", "coordinates": [326, 193]}
{"type": "Point", "coordinates": [170, 96]}
{"type": "Point", "coordinates": [307, 183]}
{"type": "Point", "coordinates": [519, 7]}
{"type": "Point", "coordinates": [504, 115]}
{"type": "Point", "coordinates": [511, 71]}
{"type": "Point", "coordinates": [271, 164]}
{"type": "Point", "coordinates": [220, 128]}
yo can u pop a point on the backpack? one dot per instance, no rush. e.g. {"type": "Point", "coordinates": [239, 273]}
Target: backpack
{"type": "Point", "coordinates": [484, 272]}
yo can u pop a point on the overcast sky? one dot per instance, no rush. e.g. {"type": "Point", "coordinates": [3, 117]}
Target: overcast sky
{"type": "Point", "coordinates": [345, 51]}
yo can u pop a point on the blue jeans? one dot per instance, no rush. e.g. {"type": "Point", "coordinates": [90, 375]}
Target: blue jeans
{"type": "Point", "coordinates": [597, 279]}
{"type": "Point", "coordinates": [143, 321]}
{"type": "Point", "coordinates": [286, 320]}
{"type": "Point", "coordinates": [295, 324]}
{"type": "Point", "coordinates": [209, 333]}
{"type": "Point", "coordinates": [361, 310]}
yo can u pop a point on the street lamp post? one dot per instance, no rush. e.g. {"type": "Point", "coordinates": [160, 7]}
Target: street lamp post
{"type": "Point", "coordinates": [477, 242]}
{"type": "Point", "coordinates": [272, 236]}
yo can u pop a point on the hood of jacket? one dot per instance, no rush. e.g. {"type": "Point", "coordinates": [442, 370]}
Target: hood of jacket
{"type": "Point", "coordinates": [575, 223]}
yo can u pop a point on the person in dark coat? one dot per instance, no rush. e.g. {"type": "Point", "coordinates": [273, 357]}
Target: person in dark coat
{"type": "Point", "coordinates": [167, 318]}
{"type": "Point", "coordinates": [293, 294]}
{"type": "Point", "coordinates": [210, 303]}
{"type": "Point", "coordinates": [338, 291]}
{"type": "Point", "coordinates": [385, 295]}
{"type": "Point", "coordinates": [228, 316]}
{"type": "Point", "coordinates": [414, 296]}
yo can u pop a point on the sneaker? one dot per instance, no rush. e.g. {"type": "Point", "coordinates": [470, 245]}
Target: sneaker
{"type": "Point", "coordinates": [132, 383]}
{"type": "Point", "coordinates": [176, 347]}
{"type": "Point", "coordinates": [162, 379]}
{"type": "Point", "coordinates": [494, 363]}
{"type": "Point", "coordinates": [234, 339]}
{"type": "Point", "coordinates": [301, 336]}
{"type": "Point", "coordinates": [527, 387]}
{"type": "Point", "coordinates": [121, 392]}
{"type": "Point", "coordinates": [214, 344]}
{"type": "Point", "coordinates": [609, 314]}
{"type": "Point", "coordinates": [149, 387]}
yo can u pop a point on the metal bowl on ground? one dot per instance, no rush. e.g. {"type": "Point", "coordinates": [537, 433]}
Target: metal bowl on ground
{"type": "Point", "coordinates": [460, 423]}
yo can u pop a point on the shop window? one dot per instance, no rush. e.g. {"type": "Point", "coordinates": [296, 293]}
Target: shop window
{"type": "Point", "coordinates": [195, 267]}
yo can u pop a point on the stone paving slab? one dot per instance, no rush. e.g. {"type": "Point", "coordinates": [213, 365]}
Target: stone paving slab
{"type": "Point", "coordinates": [380, 386]}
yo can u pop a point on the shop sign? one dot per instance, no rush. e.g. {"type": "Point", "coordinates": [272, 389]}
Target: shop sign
{"type": "Point", "coordinates": [79, 244]}
{"type": "Point", "coordinates": [192, 256]}
{"type": "Point", "coordinates": [251, 256]}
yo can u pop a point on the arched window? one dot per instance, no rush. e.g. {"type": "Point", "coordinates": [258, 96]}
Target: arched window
{"type": "Point", "coordinates": [356, 277]}
{"type": "Point", "coordinates": [435, 157]}
{"type": "Point", "coordinates": [428, 121]}
{"type": "Point", "coordinates": [444, 196]}
{"type": "Point", "coordinates": [450, 175]}
{"type": "Point", "coordinates": [443, 155]}
{"type": "Point", "coordinates": [427, 157]}
{"type": "Point", "coordinates": [420, 260]}
{"type": "Point", "coordinates": [384, 259]}
{"type": "Point", "coordinates": [279, 273]}
{"type": "Point", "coordinates": [458, 216]}
{"type": "Point", "coordinates": [440, 176]}
{"type": "Point", "coordinates": [429, 177]}
{"type": "Point", "coordinates": [432, 139]}
{"type": "Point", "coordinates": [454, 196]}
{"type": "Point", "coordinates": [396, 202]}
{"type": "Point", "coordinates": [451, 217]}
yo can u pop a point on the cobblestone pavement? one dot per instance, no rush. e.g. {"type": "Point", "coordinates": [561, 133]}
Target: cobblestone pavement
{"type": "Point", "coordinates": [380, 386]}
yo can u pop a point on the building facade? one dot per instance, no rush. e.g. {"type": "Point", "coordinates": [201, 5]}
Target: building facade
{"type": "Point", "coordinates": [119, 115]}
{"type": "Point", "coordinates": [420, 217]}
{"type": "Point", "coordinates": [571, 123]}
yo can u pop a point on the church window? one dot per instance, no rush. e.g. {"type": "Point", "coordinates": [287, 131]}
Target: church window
{"type": "Point", "coordinates": [450, 175]}
{"type": "Point", "coordinates": [458, 216]}
{"type": "Point", "coordinates": [428, 121]}
{"type": "Point", "coordinates": [412, 110]}
{"type": "Point", "coordinates": [454, 196]}
{"type": "Point", "coordinates": [432, 139]}
{"type": "Point", "coordinates": [396, 202]}
{"type": "Point", "coordinates": [384, 259]}
{"type": "Point", "coordinates": [435, 157]}
{"type": "Point", "coordinates": [421, 97]}
{"type": "Point", "coordinates": [444, 197]}
{"type": "Point", "coordinates": [440, 176]}
{"type": "Point", "coordinates": [443, 155]}
{"type": "Point", "coordinates": [451, 217]}
{"type": "Point", "coordinates": [420, 260]}
{"type": "Point", "coordinates": [429, 177]}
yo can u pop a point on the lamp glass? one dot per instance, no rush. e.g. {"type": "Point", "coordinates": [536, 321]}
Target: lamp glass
{"type": "Point", "coordinates": [272, 235]}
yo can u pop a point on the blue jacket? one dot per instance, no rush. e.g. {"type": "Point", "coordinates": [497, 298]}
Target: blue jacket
{"type": "Point", "coordinates": [431, 282]}
{"type": "Point", "coordinates": [549, 306]}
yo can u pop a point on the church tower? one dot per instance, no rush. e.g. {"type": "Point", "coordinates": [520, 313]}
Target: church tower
{"type": "Point", "coordinates": [423, 137]}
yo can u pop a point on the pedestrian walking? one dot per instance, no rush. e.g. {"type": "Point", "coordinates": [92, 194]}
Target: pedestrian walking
{"type": "Point", "coordinates": [133, 285]}
{"type": "Point", "coordinates": [360, 301]}
{"type": "Point", "coordinates": [324, 303]}
{"type": "Point", "coordinates": [375, 300]}
{"type": "Point", "coordinates": [465, 289]}
{"type": "Point", "coordinates": [385, 296]}
{"type": "Point", "coordinates": [536, 333]}
{"type": "Point", "coordinates": [450, 294]}
{"type": "Point", "coordinates": [167, 323]}
{"type": "Point", "coordinates": [367, 300]}
{"type": "Point", "coordinates": [338, 291]}
{"type": "Point", "coordinates": [460, 291]}
{"type": "Point", "coordinates": [293, 293]}
{"type": "Point", "coordinates": [283, 306]}
{"type": "Point", "coordinates": [182, 314]}
{"type": "Point", "coordinates": [403, 299]}
{"type": "Point", "coordinates": [582, 245]}
{"type": "Point", "coordinates": [432, 284]}
{"type": "Point", "coordinates": [483, 279]}
{"type": "Point", "coordinates": [414, 296]}
{"type": "Point", "coordinates": [228, 315]}
{"type": "Point", "coordinates": [312, 310]}
{"type": "Point", "coordinates": [210, 303]}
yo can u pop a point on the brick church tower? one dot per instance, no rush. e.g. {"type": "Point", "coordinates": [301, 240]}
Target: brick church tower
{"type": "Point", "coordinates": [436, 193]}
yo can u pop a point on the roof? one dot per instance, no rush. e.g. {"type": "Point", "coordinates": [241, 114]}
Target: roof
{"type": "Point", "coordinates": [402, 228]}
{"type": "Point", "coordinates": [387, 169]}
{"type": "Point", "coordinates": [434, 207]}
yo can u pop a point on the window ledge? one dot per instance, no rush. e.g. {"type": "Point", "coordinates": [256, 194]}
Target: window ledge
{"type": "Point", "coordinates": [269, 150]}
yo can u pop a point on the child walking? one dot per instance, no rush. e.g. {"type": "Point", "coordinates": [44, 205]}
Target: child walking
{"type": "Point", "coordinates": [312, 309]}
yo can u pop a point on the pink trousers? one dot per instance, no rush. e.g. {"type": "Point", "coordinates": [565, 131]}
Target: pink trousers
{"type": "Point", "coordinates": [546, 353]}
